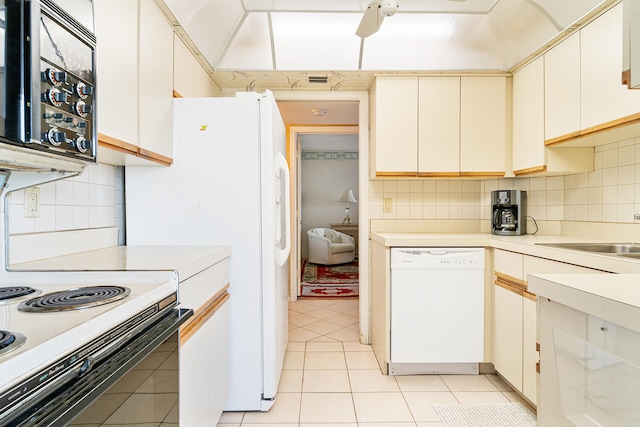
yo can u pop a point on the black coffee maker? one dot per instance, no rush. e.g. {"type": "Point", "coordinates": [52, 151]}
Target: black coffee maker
{"type": "Point", "coordinates": [509, 212]}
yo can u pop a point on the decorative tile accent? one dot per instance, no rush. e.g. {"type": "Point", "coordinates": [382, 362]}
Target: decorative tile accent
{"type": "Point", "coordinates": [329, 155]}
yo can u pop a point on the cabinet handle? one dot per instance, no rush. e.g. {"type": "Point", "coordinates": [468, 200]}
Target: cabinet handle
{"type": "Point", "coordinates": [603, 328]}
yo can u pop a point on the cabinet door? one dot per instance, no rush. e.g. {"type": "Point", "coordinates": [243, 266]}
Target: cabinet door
{"type": "Point", "coordinates": [483, 115]}
{"type": "Point", "coordinates": [604, 98]}
{"type": "Point", "coordinates": [117, 62]}
{"type": "Point", "coordinates": [396, 126]}
{"type": "Point", "coordinates": [556, 393]}
{"type": "Point", "coordinates": [528, 117]}
{"type": "Point", "coordinates": [508, 263]}
{"type": "Point", "coordinates": [507, 347]}
{"type": "Point", "coordinates": [195, 373]}
{"type": "Point", "coordinates": [529, 352]}
{"type": "Point", "coordinates": [219, 333]}
{"type": "Point", "coordinates": [562, 89]}
{"type": "Point", "coordinates": [156, 81]}
{"type": "Point", "coordinates": [439, 126]}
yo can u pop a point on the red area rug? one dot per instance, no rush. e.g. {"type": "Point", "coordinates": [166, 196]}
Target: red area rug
{"type": "Point", "coordinates": [339, 280]}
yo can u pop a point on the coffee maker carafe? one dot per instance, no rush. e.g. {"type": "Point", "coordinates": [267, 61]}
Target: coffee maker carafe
{"type": "Point", "coordinates": [508, 217]}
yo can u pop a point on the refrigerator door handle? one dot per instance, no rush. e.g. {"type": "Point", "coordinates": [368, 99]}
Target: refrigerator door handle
{"type": "Point", "coordinates": [283, 254]}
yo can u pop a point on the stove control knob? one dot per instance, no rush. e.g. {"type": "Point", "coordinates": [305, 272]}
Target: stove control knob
{"type": "Point", "coordinates": [54, 137]}
{"type": "Point", "coordinates": [83, 90]}
{"type": "Point", "coordinates": [82, 144]}
{"type": "Point", "coordinates": [81, 108]}
{"type": "Point", "coordinates": [53, 76]}
{"type": "Point", "coordinates": [54, 97]}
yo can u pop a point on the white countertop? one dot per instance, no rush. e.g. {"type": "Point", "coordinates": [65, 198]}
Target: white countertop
{"type": "Point", "coordinates": [613, 297]}
{"type": "Point", "coordinates": [523, 244]}
{"type": "Point", "coordinates": [184, 260]}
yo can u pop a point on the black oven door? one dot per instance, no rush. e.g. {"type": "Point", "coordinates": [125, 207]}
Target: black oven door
{"type": "Point", "coordinates": [14, 75]}
{"type": "Point", "coordinates": [136, 384]}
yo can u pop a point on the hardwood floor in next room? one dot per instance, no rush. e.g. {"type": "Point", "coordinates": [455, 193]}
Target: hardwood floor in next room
{"type": "Point", "coordinates": [330, 379]}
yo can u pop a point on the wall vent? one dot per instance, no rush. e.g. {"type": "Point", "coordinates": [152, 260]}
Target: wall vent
{"type": "Point", "coordinates": [318, 79]}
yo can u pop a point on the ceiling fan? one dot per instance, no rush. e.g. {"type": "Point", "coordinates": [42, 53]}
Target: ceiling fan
{"type": "Point", "coordinates": [376, 11]}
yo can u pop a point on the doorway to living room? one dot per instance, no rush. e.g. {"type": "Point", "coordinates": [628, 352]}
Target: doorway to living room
{"type": "Point", "coordinates": [328, 193]}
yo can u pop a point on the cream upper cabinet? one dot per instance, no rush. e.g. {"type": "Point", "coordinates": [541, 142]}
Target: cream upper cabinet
{"type": "Point", "coordinates": [135, 83]}
{"type": "Point", "coordinates": [604, 98]}
{"type": "Point", "coordinates": [562, 89]}
{"type": "Point", "coordinates": [444, 126]}
{"type": "Point", "coordinates": [483, 125]}
{"type": "Point", "coordinates": [528, 117]}
{"type": "Point", "coordinates": [156, 81]}
{"type": "Point", "coordinates": [190, 79]}
{"type": "Point", "coordinates": [530, 155]}
{"type": "Point", "coordinates": [439, 126]}
{"type": "Point", "coordinates": [117, 69]}
{"type": "Point", "coordinates": [394, 109]}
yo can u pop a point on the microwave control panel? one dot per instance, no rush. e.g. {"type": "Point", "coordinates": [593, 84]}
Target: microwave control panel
{"type": "Point", "coordinates": [67, 111]}
{"type": "Point", "coordinates": [67, 87]}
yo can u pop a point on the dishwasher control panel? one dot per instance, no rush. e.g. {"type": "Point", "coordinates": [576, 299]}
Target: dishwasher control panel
{"type": "Point", "coordinates": [437, 258]}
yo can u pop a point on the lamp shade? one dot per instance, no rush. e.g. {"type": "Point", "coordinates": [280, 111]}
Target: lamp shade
{"type": "Point", "coordinates": [348, 197]}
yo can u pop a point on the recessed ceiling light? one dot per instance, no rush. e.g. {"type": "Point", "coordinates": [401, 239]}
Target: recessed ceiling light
{"type": "Point", "coordinates": [319, 112]}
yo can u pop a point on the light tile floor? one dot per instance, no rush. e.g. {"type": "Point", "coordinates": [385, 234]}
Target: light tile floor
{"type": "Point", "coordinates": [330, 379]}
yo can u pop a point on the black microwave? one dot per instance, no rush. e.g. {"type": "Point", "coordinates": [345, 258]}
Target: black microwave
{"type": "Point", "coordinates": [47, 77]}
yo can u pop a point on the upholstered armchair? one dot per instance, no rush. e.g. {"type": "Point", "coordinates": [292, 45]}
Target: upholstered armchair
{"type": "Point", "coordinates": [328, 246]}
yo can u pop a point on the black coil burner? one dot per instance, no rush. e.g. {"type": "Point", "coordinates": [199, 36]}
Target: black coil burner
{"type": "Point", "coordinates": [10, 341]}
{"type": "Point", "coordinates": [75, 299]}
{"type": "Point", "coordinates": [11, 292]}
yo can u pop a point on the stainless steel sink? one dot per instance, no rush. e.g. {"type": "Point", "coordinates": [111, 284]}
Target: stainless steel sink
{"type": "Point", "coordinates": [624, 249]}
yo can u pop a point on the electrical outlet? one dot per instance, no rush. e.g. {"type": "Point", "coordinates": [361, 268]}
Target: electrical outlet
{"type": "Point", "coordinates": [388, 205]}
{"type": "Point", "coordinates": [636, 217]}
{"type": "Point", "coordinates": [32, 202]}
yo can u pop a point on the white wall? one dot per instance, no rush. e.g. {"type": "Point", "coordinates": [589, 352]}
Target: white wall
{"type": "Point", "coordinates": [329, 167]}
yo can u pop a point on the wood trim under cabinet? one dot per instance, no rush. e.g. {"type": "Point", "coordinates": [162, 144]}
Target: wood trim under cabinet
{"type": "Point", "coordinates": [438, 174]}
{"type": "Point", "coordinates": [530, 171]}
{"type": "Point", "coordinates": [594, 130]}
{"type": "Point", "coordinates": [176, 94]}
{"type": "Point", "coordinates": [203, 314]}
{"type": "Point", "coordinates": [519, 283]}
{"type": "Point", "coordinates": [155, 157]}
{"type": "Point", "coordinates": [117, 144]}
{"type": "Point", "coordinates": [396, 174]}
{"type": "Point", "coordinates": [509, 286]}
{"type": "Point", "coordinates": [481, 174]}
{"type": "Point", "coordinates": [529, 295]}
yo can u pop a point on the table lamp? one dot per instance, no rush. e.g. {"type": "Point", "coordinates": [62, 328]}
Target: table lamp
{"type": "Point", "coordinates": [348, 197]}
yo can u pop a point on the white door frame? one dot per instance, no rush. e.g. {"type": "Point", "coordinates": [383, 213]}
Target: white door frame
{"type": "Point", "coordinates": [362, 98]}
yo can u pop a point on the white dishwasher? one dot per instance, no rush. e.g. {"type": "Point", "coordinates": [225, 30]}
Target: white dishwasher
{"type": "Point", "coordinates": [437, 310]}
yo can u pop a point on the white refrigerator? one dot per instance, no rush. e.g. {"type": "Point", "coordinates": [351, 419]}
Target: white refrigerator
{"type": "Point", "coordinates": [228, 185]}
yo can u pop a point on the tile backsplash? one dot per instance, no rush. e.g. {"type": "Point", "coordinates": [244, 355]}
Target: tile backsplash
{"type": "Point", "coordinates": [85, 201]}
{"type": "Point", "coordinates": [611, 193]}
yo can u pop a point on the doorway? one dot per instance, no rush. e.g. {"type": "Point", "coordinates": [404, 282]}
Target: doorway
{"type": "Point", "coordinates": [297, 128]}
{"type": "Point", "coordinates": [327, 174]}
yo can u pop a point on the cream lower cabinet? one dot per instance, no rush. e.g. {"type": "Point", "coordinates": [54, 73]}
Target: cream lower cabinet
{"type": "Point", "coordinates": [204, 347]}
{"type": "Point", "coordinates": [515, 322]}
{"type": "Point", "coordinates": [591, 369]}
